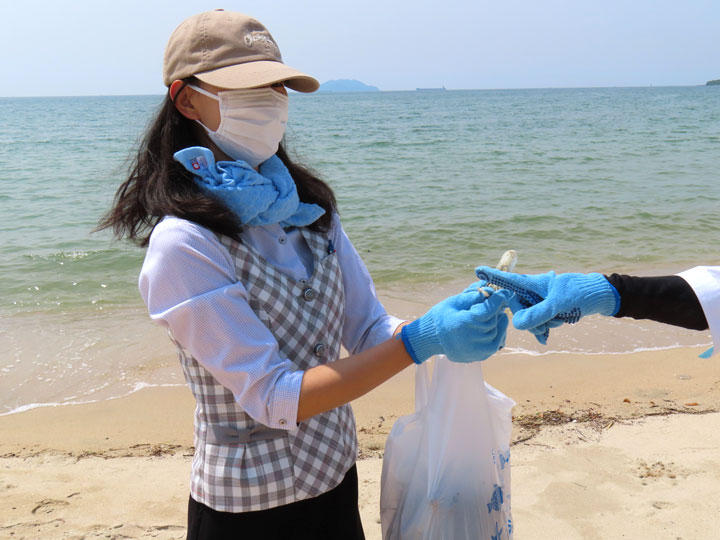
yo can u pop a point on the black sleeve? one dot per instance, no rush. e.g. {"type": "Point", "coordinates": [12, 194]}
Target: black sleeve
{"type": "Point", "coordinates": [667, 299]}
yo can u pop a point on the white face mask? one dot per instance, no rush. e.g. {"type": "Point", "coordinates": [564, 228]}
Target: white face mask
{"type": "Point", "coordinates": [252, 123]}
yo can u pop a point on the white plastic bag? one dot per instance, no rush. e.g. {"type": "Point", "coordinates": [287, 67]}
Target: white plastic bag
{"type": "Point", "coordinates": [446, 470]}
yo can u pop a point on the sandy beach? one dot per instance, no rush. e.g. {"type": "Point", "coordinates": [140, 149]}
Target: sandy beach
{"type": "Point", "coordinates": [615, 446]}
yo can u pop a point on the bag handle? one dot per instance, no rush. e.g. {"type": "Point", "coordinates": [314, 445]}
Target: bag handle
{"type": "Point", "coordinates": [422, 385]}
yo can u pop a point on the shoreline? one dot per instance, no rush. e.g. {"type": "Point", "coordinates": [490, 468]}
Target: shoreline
{"type": "Point", "coordinates": [90, 359]}
{"type": "Point", "coordinates": [553, 390]}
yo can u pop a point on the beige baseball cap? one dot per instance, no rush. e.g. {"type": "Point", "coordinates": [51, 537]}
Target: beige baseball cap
{"type": "Point", "coordinates": [229, 50]}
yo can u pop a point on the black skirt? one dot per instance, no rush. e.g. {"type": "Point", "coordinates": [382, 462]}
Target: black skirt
{"type": "Point", "coordinates": [331, 516]}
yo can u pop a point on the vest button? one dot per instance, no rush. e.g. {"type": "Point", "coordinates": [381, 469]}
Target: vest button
{"type": "Point", "coordinates": [319, 350]}
{"type": "Point", "coordinates": [309, 294]}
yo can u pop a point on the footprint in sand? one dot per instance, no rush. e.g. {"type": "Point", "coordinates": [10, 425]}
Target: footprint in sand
{"type": "Point", "coordinates": [47, 506]}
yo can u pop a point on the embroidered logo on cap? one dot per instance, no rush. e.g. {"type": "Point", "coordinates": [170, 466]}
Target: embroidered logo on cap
{"type": "Point", "coordinates": [253, 37]}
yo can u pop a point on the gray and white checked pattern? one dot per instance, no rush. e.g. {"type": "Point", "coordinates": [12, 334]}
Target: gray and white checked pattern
{"type": "Point", "coordinates": [308, 461]}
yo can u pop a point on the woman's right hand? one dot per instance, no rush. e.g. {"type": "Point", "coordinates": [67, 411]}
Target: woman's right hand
{"type": "Point", "coordinates": [468, 327]}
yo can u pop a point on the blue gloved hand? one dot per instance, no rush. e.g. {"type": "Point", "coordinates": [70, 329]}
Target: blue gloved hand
{"type": "Point", "coordinates": [466, 328]}
{"type": "Point", "coordinates": [545, 301]}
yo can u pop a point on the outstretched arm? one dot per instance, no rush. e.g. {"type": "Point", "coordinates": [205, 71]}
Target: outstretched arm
{"type": "Point", "coordinates": [545, 301]}
{"type": "Point", "coordinates": [330, 385]}
{"type": "Point", "coordinates": [666, 299]}
{"type": "Point", "coordinates": [466, 327]}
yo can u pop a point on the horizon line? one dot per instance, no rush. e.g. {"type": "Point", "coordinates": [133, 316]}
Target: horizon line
{"type": "Point", "coordinates": [387, 91]}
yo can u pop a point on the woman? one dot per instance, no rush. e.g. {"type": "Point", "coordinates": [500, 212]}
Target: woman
{"type": "Point", "coordinates": [251, 272]}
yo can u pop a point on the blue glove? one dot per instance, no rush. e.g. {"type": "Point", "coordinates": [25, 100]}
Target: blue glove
{"type": "Point", "coordinates": [545, 301]}
{"type": "Point", "coordinates": [466, 327]}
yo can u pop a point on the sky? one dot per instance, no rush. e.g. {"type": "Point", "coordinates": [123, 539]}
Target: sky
{"type": "Point", "coordinates": [98, 47]}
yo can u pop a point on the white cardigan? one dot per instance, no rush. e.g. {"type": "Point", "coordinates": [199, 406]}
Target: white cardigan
{"type": "Point", "coordinates": [705, 281]}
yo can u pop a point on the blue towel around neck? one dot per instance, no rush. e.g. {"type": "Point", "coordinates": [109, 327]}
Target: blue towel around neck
{"type": "Point", "coordinates": [257, 198]}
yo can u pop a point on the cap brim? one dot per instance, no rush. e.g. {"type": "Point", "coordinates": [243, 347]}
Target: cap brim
{"type": "Point", "coordinates": [259, 73]}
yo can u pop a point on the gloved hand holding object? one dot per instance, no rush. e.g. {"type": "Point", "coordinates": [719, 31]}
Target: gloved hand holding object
{"type": "Point", "coordinates": [467, 327]}
{"type": "Point", "coordinates": [546, 301]}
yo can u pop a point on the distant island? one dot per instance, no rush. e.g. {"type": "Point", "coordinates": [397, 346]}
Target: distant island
{"type": "Point", "coordinates": [716, 82]}
{"type": "Point", "coordinates": [346, 85]}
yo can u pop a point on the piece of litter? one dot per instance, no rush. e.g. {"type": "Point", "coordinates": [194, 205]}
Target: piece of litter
{"type": "Point", "coordinates": [506, 264]}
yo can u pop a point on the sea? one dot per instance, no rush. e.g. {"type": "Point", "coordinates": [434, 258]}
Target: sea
{"type": "Point", "coordinates": [429, 186]}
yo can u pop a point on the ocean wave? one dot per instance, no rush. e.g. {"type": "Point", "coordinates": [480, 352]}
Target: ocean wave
{"type": "Point", "coordinates": [136, 388]}
{"type": "Point", "coordinates": [585, 352]}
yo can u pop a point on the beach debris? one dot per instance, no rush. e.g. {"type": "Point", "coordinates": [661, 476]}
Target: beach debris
{"type": "Point", "coordinates": [692, 404]}
{"type": "Point", "coordinates": [508, 261]}
{"type": "Point", "coordinates": [506, 264]}
{"type": "Point", "coordinates": [529, 425]}
{"type": "Point", "coordinates": [627, 400]}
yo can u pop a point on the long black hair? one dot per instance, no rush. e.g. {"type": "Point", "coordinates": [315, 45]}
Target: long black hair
{"type": "Point", "coordinates": [158, 186]}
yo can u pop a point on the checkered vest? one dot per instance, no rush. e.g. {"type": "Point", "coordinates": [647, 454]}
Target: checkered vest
{"type": "Point", "coordinates": [306, 319]}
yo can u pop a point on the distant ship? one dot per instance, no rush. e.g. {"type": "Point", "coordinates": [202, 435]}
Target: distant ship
{"type": "Point", "coordinates": [441, 89]}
